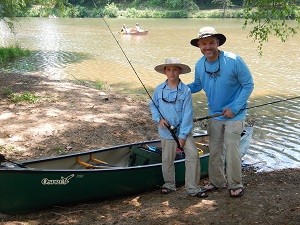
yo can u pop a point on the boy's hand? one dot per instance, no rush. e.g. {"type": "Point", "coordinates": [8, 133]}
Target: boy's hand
{"type": "Point", "coordinates": [163, 123]}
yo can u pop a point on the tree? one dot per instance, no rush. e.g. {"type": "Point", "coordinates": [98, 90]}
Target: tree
{"type": "Point", "coordinates": [270, 17]}
{"type": "Point", "coordinates": [9, 8]}
{"type": "Point", "coordinates": [224, 4]}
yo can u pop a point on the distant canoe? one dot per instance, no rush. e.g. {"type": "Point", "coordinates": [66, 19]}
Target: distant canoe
{"type": "Point", "coordinates": [133, 32]}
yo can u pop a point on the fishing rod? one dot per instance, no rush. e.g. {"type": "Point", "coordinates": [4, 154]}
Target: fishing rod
{"type": "Point", "coordinates": [220, 114]}
{"type": "Point", "coordinates": [172, 129]}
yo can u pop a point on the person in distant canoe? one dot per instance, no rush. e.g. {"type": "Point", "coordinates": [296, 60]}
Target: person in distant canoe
{"type": "Point", "coordinates": [171, 105]}
{"type": "Point", "coordinates": [124, 29]}
{"type": "Point", "coordinates": [228, 84]}
{"type": "Point", "coordinates": [137, 28]}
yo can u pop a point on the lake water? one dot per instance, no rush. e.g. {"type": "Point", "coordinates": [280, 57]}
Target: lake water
{"type": "Point", "coordinates": [85, 49]}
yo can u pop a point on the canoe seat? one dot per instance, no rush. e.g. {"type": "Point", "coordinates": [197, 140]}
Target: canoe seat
{"type": "Point", "coordinates": [143, 156]}
{"type": "Point", "coordinates": [100, 164]}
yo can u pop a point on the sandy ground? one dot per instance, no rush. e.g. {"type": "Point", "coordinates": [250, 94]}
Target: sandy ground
{"type": "Point", "coordinates": [69, 117]}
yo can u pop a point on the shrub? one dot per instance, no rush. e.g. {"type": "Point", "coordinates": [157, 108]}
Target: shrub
{"type": "Point", "coordinates": [11, 53]}
{"type": "Point", "coordinates": [111, 10]}
{"type": "Point", "coordinates": [23, 97]}
{"type": "Point", "coordinates": [171, 14]}
{"type": "Point", "coordinates": [18, 97]}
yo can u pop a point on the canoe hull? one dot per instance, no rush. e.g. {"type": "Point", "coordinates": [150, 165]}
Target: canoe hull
{"type": "Point", "coordinates": [61, 180]}
{"type": "Point", "coordinates": [26, 190]}
{"type": "Point", "coordinates": [135, 33]}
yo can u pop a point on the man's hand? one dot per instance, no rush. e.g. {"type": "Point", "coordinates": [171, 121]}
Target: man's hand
{"type": "Point", "coordinates": [181, 142]}
{"type": "Point", "coordinates": [228, 113]}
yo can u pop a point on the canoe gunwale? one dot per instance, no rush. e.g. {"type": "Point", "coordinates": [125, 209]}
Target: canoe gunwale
{"type": "Point", "coordinates": [27, 163]}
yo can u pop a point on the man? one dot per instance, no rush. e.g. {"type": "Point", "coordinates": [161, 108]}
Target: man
{"type": "Point", "coordinates": [228, 84]}
{"type": "Point", "coordinates": [171, 105]}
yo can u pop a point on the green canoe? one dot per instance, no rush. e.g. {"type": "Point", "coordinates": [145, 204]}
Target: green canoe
{"type": "Point", "coordinates": [90, 175]}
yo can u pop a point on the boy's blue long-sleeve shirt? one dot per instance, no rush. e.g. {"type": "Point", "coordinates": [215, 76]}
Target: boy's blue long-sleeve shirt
{"type": "Point", "coordinates": [231, 89]}
{"type": "Point", "coordinates": [178, 113]}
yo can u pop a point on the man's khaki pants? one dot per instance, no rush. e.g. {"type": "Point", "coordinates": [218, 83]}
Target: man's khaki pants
{"type": "Point", "coordinates": [224, 144]}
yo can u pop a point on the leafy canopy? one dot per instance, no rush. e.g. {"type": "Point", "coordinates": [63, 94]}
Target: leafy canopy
{"type": "Point", "coordinates": [270, 17]}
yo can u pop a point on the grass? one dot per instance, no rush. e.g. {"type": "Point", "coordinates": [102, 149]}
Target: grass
{"type": "Point", "coordinates": [19, 97]}
{"type": "Point", "coordinates": [8, 54]}
{"type": "Point", "coordinates": [100, 85]}
{"type": "Point", "coordinates": [60, 150]}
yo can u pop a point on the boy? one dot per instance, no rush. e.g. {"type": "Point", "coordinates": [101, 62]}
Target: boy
{"type": "Point", "coordinates": [171, 106]}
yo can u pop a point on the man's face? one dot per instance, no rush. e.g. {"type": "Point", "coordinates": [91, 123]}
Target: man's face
{"type": "Point", "coordinates": [209, 47]}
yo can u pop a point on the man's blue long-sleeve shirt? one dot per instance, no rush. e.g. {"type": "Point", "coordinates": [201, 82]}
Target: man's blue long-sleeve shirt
{"type": "Point", "coordinates": [231, 89]}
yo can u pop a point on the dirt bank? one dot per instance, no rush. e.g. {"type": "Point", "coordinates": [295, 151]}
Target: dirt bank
{"type": "Point", "coordinates": [69, 117]}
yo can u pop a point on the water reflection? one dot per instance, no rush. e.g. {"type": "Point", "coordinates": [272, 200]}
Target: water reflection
{"type": "Point", "coordinates": [85, 49]}
{"type": "Point", "coordinates": [275, 143]}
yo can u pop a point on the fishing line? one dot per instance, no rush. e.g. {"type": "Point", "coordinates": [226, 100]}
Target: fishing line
{"type": "Point", "coordinates": [172, 129]}
{"type": "Point", "coordinates": [132, 67]}
{"type": "Point", "coordinates": [256, 106]}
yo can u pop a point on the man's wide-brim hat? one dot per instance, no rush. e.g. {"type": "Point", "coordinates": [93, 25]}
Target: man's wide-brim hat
{"type": "Point", "coordinates": [205, 32]}
{"type": "Point", "coordinates": [172, 62]}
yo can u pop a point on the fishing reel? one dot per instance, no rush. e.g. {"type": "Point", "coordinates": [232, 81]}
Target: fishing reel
{"type": "Point", "coordinates": [204, 124]}
{"type": "Point", "coordinates": [173, 129]}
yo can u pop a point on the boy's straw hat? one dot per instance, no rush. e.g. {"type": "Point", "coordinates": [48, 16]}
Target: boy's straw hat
{"type": "Point", "coordinates": [172, 62]}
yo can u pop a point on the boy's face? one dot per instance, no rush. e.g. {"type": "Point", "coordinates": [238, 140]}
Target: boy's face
{"type": "Point", "coordinates": [173, 72]}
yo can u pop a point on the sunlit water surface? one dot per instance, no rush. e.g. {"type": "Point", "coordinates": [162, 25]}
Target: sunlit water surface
{"type": "Point", "coordinates": [85, 49]}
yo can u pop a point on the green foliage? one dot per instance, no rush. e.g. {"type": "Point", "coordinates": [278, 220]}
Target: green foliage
{"type": "Point", "coordinates": [100, 85]}
{"type": "Point", "coordinates": [8, 54]}
{"type": "Point", "coordinates": [140, 4]}
{"type": "Point", "coordinates": [75, 12]}
{"type": "Point", "coordinates": [19, 97]}
{"type": "Point", "coordinates": [234, 13]}
{"type": "Point", "coordinates": [60, 150]}
{"type": "Point", "coordinates": [171, 14]}
{"type": "Point", "coordinates": [218, 13]}
{"type": "Point", "coordinates": [95, 12]}
{"type": "Point", "coordinates": [270, 18]}
{"type": "Point", "coordinates": [181, 4]}
{"type": "Point", "coordinates": [6, 92]}
{"type": "Point", "coordinates": [23, 97]}
{"type": "Point", "coordinates": [131, 13]}
{"type": "Point", "coordinates": [38, 11]}
{"type": "Point", "coordinates": [7, 149]}
{"type": "Point", "coordinates": [9, 9]}
{"type": "Point", "coordinates": [189, 5]}
{"type": "Point", "coordinates": [223, 3]}
{"type": "Point", "coordinates": [134, 13]}
{"type": "Point", "coordinates": [111, 10]}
